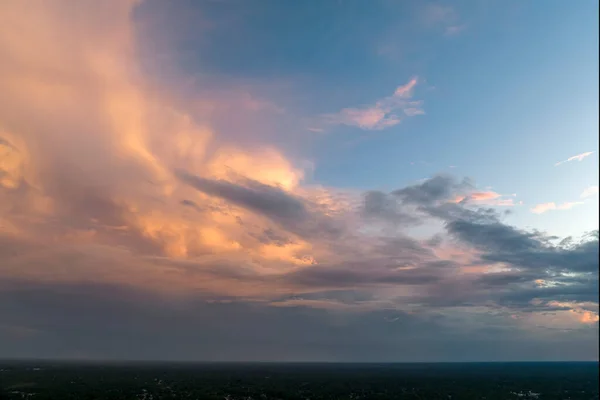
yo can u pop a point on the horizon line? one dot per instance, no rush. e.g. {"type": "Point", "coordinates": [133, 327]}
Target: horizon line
{"type": "Point", "coordinates": [134, 361]}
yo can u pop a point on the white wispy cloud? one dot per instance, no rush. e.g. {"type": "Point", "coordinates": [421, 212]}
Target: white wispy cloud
{"type": "Point", "coordinates": [577, 157]}
{"type": "Point", "coordinates": [443, 16]}
{"type": "Point", "coordinates": [589, 191]}
{"type": "Point", "coordinates": [436, 14]}
{"type": "Point", "coordinates": [454, 30]}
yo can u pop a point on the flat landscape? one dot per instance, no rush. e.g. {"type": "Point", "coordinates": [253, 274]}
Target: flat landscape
{"type": "Point", "coordinates": [45, 380]}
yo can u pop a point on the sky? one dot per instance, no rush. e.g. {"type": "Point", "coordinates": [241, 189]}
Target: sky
{"type": "Point", "coordinates": [265, 180]}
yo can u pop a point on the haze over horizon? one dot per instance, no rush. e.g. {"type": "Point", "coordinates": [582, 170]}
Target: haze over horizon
{"type": "Point", "coordinates": [340, 181]}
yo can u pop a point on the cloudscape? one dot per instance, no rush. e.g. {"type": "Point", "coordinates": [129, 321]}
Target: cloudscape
{"type": "Point", "coordinates": [299, 181]}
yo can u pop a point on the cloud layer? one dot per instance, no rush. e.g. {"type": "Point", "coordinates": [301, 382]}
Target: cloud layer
{"type": "Point", "coordinates": [133, 224]}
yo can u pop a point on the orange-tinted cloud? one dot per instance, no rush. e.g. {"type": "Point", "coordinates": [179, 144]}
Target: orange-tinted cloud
{"type": "Point", "coordinates": [578, 310]}
{"type": "Point", "coordinates": [88, 147]}
{"type": "Point", "coordinates": [544, 207]}
{"type": "Point", "coordinates": [88, 191]}
{"type": "Point", "coordinates": [588, 317]}
{"type": "Point", "coordinates": [486, 197]}
{"type": "Point", "coordinates": [479, 196]}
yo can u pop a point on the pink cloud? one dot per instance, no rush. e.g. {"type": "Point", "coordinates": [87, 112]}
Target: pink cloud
{"type": "Point", "coordinates": [508, 202]}
{"type": "Point", "coordinates": [489, 197]}
{"type": "Point", "coordinates": [544, 207]}
{"type": "Point", "coordinates": [383, 114]}
{"type": "Point", "coordinates": [478, 196]}
{"type": "Point", "coordinates": [369, 118]}
{"type": "Point", "coordinates": [406, 90]}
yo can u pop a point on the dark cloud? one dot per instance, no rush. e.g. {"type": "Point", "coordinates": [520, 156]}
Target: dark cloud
{"type": "Point", "coordinates": [531, 250]}
{"type": "Point", "coordinates": [435, 240]}
{"type": "Point", "coordinates": [583, 259]}
{"type": "Point", "coordinates": [399, 260]}
{"type": "Point", "coordinates": [495, 236]}
{"type": "Point", "coordinates": [326, 311]}
{"type": "Point", "coordinates": [385, 207]}
{"type": "Point", "coordinates": [402, 251]}
{"type": "Point", "coordinates": [270, 236]}
{"type": "Point", "coordinates": [506, 278]}
{"type": "Point", "coordinates": [114, 322]}
{"type": "Point", "coordinates": [460, 211]}
{"type": "Point", "coordinates": [191, 204]}
{"type": "Point", "coordinates": [483, 229]}
{"type": "Point", "coordinates": [438, 188]}
{"type": "Point", "coordinates": [565, 291]}
{"type": "Point", "coordinates": [360, 274]}
{"type": "Point", "coordinates": [267, 200]}
{"type": "Point", "coordinates": [345, 296]}
{"type": "Point", "coordinates": [569, 268]}
{"type": "Point", "coordinates": [293, 213]}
